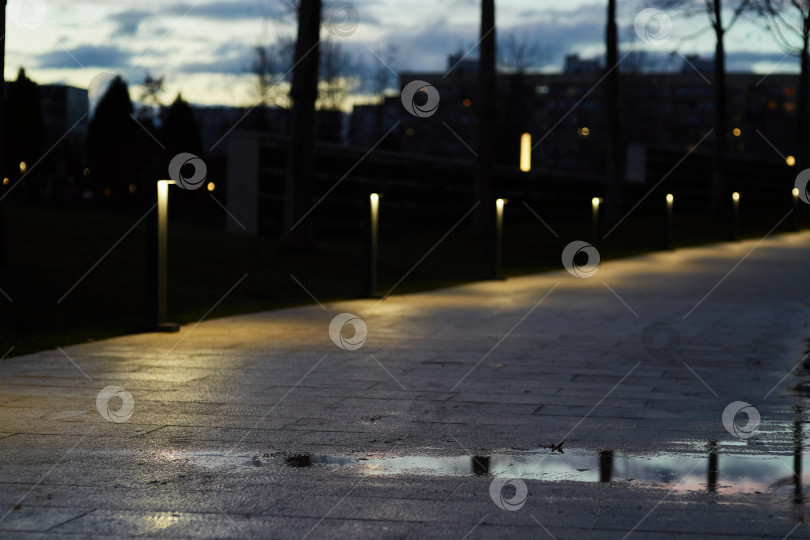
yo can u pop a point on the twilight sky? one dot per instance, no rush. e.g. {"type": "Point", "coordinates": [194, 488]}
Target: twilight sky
{"type": "Point", "coordinates": [203, 47]}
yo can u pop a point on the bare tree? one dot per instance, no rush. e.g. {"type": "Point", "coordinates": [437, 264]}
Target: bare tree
{"type": "Point", "coordinates": [2, 133]}
{"type": "Point", "coordinates": [149, 96]}
{"type": "Point", "coordinates": [615, 163]}
{"type": "Point", "coordinates": [714, 10]}
{"type": "Point", "coordinates": [789, 23]}
{"type": "Point", "coordinates": [268, 65]}
{"type": "Point", "coordinates": [518, 53]}
{"type": "Point", "coordinates": [151, 88]}
{"type": "Point", "coordinates": [383, 73]}
{"type": "Point", "coordinates": [337, 75]}
{"type": "Point", "coordinates": [297, 233]}
{"type": "Point", "coordinates": [484, 217]}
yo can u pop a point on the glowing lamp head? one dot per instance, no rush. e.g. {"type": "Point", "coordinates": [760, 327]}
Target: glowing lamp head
{"type": "Point", "coordinates": [23, 166]}
{"type": "Point", "coordinates": [526, 152]}
{"type": "Point", "coordinates": [735, 197]}
{"type": "Point", "coordinates": [375, 198]}
{"type": "Point", "coordinates": [595, 201]}
{"type": "Point", "coordinates": [211, 186]}
{"type": "Point", "coordinates": [796, 192]}
{"type": "Point", "coordinates": [670, 198]}
{"type": "Point", "coordinates": [737, 132]}
{"type": "Point", "coordinates": [790, 161]}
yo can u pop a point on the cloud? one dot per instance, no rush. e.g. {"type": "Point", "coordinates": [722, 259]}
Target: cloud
{"type": "Point", "coordinates": [555, 32]}
{"type": "Point", "coordinates": [101, 56]}
{"type": "Point", "coordinates": [229, 10]}
{"type": "Point", "coordinates": [127, 22]}
{"type": "Point", "coordinates": [744, 61]}
{"type": "Point", "coordinates": [225, 65]}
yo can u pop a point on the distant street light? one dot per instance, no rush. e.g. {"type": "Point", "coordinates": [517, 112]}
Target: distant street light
{"type": "Point", "coordinates": [790, 160]}
{"type": "Point", "coordinates": [526, 152]}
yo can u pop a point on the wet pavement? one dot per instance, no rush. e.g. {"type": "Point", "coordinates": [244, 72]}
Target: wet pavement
{"type": "Point", "coordinates": [663, 397]}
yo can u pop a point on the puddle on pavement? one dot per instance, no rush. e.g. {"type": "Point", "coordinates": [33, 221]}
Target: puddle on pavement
{"type": "Point", "coordinates": [716, 470]}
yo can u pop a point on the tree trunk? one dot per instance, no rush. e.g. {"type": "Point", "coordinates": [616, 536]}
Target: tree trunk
{"type": "Point", "coordinates": [719, 195]}
{"type": "Point", "coordinates": [615, 161]}
{"type": "Point", "coordinates": [3, 133]}
{"type": "Point", "coordinates": [803, 107]}
{"type": "Point", "coordinates": [484, 217]}
{"type": "Point", "coordinates": [297, 233]}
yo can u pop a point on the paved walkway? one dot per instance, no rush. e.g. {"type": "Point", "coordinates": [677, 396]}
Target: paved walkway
{"type": "Point", "coordinates": [261, 426]}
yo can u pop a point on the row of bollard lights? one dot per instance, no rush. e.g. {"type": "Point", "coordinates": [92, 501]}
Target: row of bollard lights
{"type": "Point", "coordinates": [370, 285]}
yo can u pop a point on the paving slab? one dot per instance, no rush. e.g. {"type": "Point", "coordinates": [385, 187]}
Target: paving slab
{"type": "Point", "coordinates": [441, 423]}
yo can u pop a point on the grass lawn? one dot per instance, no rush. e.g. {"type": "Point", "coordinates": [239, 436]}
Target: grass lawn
{"type": "Point", "coordinates": [50, 250]}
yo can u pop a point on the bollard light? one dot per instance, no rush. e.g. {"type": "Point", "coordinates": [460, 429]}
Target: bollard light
{"type": "Point", "coordinates": [162, 247]}
{"type": "Point", "coordinates": [497, 256]}
{"type": "Point", "coordinates": [735, 218]}
{"type": "Point", "coordinates": [595, 202]}
{"type": "Point", "coordinates": [795, 209]}
{"type": "Point", "coordinates": [526, 152]}
{"type": "Point", "coordinates": [668, 223]}
{"type": "Point", "coordinates": [374, 217]}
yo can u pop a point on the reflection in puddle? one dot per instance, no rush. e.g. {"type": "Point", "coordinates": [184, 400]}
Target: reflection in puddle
{"type": "Point", "coordinates": [715, 470]}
